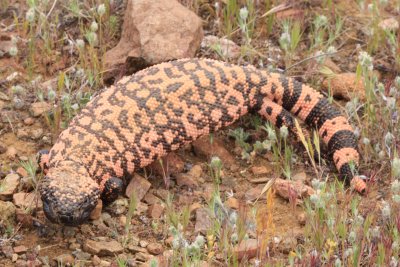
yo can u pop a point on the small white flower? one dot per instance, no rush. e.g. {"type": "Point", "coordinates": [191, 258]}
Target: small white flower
{"type": "Point", "coordinates": [320, 21]}
{"type": "Point", "coordinates": [30, 15]}
{"type": "Point", "coordinates": [348, 252]}
{"type": "Point", "coordinates": [200, 241]}
{"type": "Point", "coordinates": [51, 95]}
{"type": "Point", "coordinates": [375, 232]}
{"type": "Point", "coordinates": [389, 137]}
{"type": "Point", "coordinates": [284, 132]}
{"type": "Point", "coordinates": [365, 60]}
{"type": "Point", "coordinates": [395, 186]}
{"type": "Point", "coordinates": [391, 103]}
{"type": "Point", "coordinates": [284, 40]}
{"type": "Point", "coordinates": [94, 26]}
{"type": "Point", "coordinates": [396, 198]}
{"type": "Point", "coordinates": [243, 13]}
{"type": "Point", "coordinates": [216, 162]}
{"type": "Point", "coordinates": [338, 263]}
{"type": "Point", "coordinates": [397, 82]}
{"type": "Point", "coordinates": [386, 210]}
{"type": "Point", "coordinates": [370, 7]}
{"type": "Point", "coordinates": [17, 89]}
{"type": "Point", "coordinates": [75, 106]}
{"type": "Point", "coordinates": [92, 38]}
{"type": "Point", "coordinates": [396, 167]}
{"type": "Point", "coordinates": [366, 141]}
{"type": "Point", "coordinates": [80, 43]}
{"type": "Point", "coordinates": [101, 9]}
{"type": "Point", "coordinates": [331, 50]}
{"type": "Point", "coordinates": [13, 51]}
{"type": "Point", "coordinates": [352, 237]}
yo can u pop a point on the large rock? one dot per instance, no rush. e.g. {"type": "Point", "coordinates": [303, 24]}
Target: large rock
{"type": "Point", "coordinates": [154, 31]}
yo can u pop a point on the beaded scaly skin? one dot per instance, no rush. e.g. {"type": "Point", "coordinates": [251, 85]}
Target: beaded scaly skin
{"type": "Point", "coordinates": [164, 107]}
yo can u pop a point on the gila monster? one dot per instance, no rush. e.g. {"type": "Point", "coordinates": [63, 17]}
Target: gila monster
{"type": "Point", "coordinates": [164, 107]}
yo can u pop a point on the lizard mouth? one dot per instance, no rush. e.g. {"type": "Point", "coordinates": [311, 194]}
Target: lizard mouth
{"type": "Point", "coordinates": [68, 217]}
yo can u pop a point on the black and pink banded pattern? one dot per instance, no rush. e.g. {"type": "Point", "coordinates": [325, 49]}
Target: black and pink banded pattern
{"type": "Point", "coordinates": [164, 107]}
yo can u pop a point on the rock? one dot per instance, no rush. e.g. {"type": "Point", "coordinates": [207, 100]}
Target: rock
{"type": "Point", "coordinates": [260, 170]}
{"type": "Point", "coordinates": [5, 47]}
{"type": "Point", "coordinates": [81, 256]}
{"type": "Point", "coordinates": [136, 249]}
{"type": "Point", "coordinates": [3, 149]}
{"type": "Point", "coordinates": [155, 211]}
{"type": "Point", "coordinates": [155, 248]}
{"type": "Point", "coordinates": [21, 263]}
{"type": "Point", "coordinates": [302, 219]}
{"type": "Point", "coordinates": [69, 232]}
{"type": "Point", "coordinates": [331, 65]}
{"type": "Point", "coordinates": [292, 190]}
{"type": "Point", "coordinates": [162, 193]}
{"type": "Point", "coordinates": [232, 203]}
{"type": "Point", "coordinates": [14, 257]}
{"type": "Point", "coordinates": [203, 148]}
{"type": "Point", "coordinates": [196, 171]}
{"type": "Point", "coordinates": [192, 178]}
{"type": "Point", "coordinates": [7, 250]}
{"type": "Point", "coordinates": [143, 243]}
{"type": "Point", "coordinates": [151, 199]}
{"type": "Point", "coordinates": [24, 218]}
{"type": "Point", "coordinates": [345, 85]}
{"type": "Point", "coordinates": [102, 248]}
{"type": "Point", "coordinates": [194, 207]}
{"type": "Point", "coordinates": [138, 186]}
{"type": "Point", "coordinates": [29, 121]}
{"type": "Point", "coordinates": [22, 172]}
{"type": "Point", "coordinates": [39, 108]}
{"type": "Point", "coordinates": [203, 221]}
{"type": "Point", "coordinates": [65, 259]}
{"type": "Point", "coordinates": [4, 97]}
{"type": "Point", "coordinates": [143, 256]}
{"type": "Point", "coordinates": [20, 249]}
{"type": "Point", "coordinates": [22, 133]}
{"type": "Point", "coordinates": [36, 134]}
{"type": "Point", "coordinates": [96, 213]}
{"type": "Point", "coordinates": [8, 186]}
{"type": "Point", "coordinates": [96, 260]}
{"type": "Point", "coordinates": [122, 220]}
{"type": "Point", "coordinates": [172, 164]}
{"type": "Point", "coordinates": [27, 200]}
{"type": "Point", "coordinates": [300, 177]}
{"type": "Point", "coordinates": [287, 244]}
{"type": "Point", "coordinates": [11, 152]}
{"type": "Point", "coordinates": [254, 193]}
{"type": "Point", "coordinates": [7, 212]}
{"type": "Point", "coordinates": [390, 24]}
{"type": "Point", "coordinates": [118, 207]}
{"type": "Point", "coordinates": [184, 179]}
{"type": "Point", "coordinates": [150, 34]}
{"type": "Point", "coordinates": [225, 47]}
{"type": "Point", "coordinates": [246, 249]}
{"type": "Point", "coordinates": [104, 263]}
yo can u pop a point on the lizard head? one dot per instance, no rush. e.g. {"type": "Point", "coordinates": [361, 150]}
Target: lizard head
{"type": "Point", "coordinates": [68, 193]}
